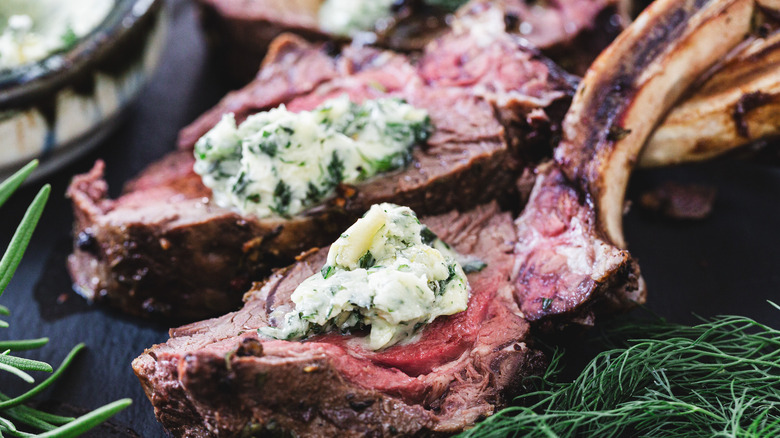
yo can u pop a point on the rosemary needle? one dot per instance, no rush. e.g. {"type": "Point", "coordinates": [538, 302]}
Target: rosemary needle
{"type": "Point", "coordinates": [87, 421]}
{"type": "Point", "coordinates": [23, 344]}
{"type": "Point", "coordinates": [9, 186]}
{"type": "Point", "coordinates": [11, 408]}
{"type": "Point", "coordinates": [24, 364]}
{"type": "Point", "coordinates": [21, 238]}
{"type": "Point", "coordinates": [45, 384]}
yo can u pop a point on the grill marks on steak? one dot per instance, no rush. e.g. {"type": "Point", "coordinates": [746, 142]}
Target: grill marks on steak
{"type": "Point", "coordinates": [204, 380]}
{"type": "Point", "coordinates": [162, 249]}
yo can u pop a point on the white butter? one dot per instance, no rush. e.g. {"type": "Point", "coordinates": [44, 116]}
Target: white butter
{"type": "Point", "coordinates": [387, 272]}
{"type": "Point", "coordinates": [353, 17]}
{"type": "Point", "coordinates": [278, 163]}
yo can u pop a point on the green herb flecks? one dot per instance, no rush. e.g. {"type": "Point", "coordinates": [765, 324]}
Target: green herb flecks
{"type": "Point", "coordinates": [283, 196]}
{"type": "Point", "coordinates": [13, 414]}
{"type": "Point", "coordinates": [280, 163]}
{"type": "Point", "coordinates": [367, 260]}
{"type": "Point", "coordinates": [473, 266]}
{"type": "Point", "coordinates": [327, 271]}
{"type": "Point", "coordinates": [720, 378]}
{"type": "Point", "coordinates": [335, 169]}
{"type": "Point", "coordinates": [69, 37]}
{"type": "Point", "coordinates": [427, 236]}
{"type": "Point", "coordinates": [448, 5]}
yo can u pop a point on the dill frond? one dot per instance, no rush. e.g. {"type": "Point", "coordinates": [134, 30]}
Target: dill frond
{"type": "Point", "coordinates": [719, 378]}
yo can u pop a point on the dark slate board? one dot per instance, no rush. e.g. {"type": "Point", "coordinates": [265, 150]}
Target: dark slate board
{"type": "Point", "coordinates": [726, 264]}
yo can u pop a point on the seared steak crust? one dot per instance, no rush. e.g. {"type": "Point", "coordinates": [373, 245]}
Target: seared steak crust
{"type": "Point", "coordinates": [217, 378]}
{"type": "Point", "coordinates": [163, 249]}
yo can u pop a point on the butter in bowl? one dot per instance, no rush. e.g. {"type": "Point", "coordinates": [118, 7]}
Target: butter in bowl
{"type": "Point", "coordinates": [68, 69]}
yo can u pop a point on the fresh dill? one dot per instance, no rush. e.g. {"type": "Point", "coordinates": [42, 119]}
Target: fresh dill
{"type": "Point", "coordinates": [16, 419]}
{"type": "Point", "coordinates": [720, 378]}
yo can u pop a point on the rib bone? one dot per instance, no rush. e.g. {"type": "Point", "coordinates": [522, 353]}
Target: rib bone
{"type": "Point", "coordinates": [737, 105]}
{"type": "Point", "coordinates": [630, 87]}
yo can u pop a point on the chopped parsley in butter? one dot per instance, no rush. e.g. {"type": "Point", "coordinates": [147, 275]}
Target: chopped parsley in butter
{"type": "Point", "coordinates": [349, 17]}
{"type": "Point", "coordinates": [278, 163]}
{"type": "Point", "coordinates": [387, 272]}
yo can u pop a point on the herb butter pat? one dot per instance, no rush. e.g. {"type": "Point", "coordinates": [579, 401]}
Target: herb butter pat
{"type": "Point", "coordinates": [387, 272]}
{"type": "Point", "coordinates": [350, 17]}
{"type": "Point", "coordinates": [347, 17]}
{"type": "Point", "coordinates": [278, 163]}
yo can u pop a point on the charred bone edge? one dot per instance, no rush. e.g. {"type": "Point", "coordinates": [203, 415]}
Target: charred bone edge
{"type": "Point", "coordinates": [737, 105]}
{"type": "Point", "coordinates": [633, 83]}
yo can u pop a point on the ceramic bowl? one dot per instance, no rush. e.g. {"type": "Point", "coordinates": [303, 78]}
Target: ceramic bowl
{"type": "Point", "coordinates": [59, 107]}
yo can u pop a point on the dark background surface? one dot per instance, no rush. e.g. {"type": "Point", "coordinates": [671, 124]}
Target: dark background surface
{"type": "Point", "coordinates": [726, 264]}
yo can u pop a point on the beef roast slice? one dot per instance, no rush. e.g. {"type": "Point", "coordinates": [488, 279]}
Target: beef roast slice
{"type": "Point", "coordinates": [162, 249]}
{"type": "Point", "coordinates": [529, 92]}
{"type": "Point", "coordinates": [566, 271]}
{"type": "Point", "coordinates": [571, 32]}
{"type": "Point", "coordinates": [217, 377]}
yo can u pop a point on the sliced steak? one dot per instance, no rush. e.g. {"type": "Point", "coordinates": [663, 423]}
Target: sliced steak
{"type": "Point", "coordinates": [526, 88]}
{"type": "Point", "coordinates": [240, 31]}
{"type": "Point", "coordinates": [217, 378]}
{"type": "Point", "coordinates": [572, 32]}
{"type": "Point", "coordinates": [163, 249]}
{"type": "Point", "coordinates": [529, 92]}
{"type": "Point", "coordinates": [567, 272]}
{"type": "Point", "coordinates": [559, 264]}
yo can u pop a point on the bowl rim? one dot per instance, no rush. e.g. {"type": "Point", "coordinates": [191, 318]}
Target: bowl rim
{"type": "Point", "coordinates": [19, 84]}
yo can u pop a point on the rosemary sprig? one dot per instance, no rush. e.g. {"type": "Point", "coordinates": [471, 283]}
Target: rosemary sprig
{"type": "Point", "coordinates": [720, 378]}
{"type": "Point", "coordinates": [12, 411]}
